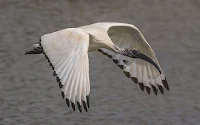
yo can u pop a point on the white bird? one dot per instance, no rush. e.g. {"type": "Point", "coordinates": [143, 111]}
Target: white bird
{"type": "Point", "coordinates": [67, 53]}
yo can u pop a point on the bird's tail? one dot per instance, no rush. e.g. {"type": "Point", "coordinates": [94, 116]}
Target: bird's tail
{"type": "Point", "coordinates": [37, 49]}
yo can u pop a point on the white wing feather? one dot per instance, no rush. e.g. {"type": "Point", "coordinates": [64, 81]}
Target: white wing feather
{"type": "Point", "coordinates": [67, 53]}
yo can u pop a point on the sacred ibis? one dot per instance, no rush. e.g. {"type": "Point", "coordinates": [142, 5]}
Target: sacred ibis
{"type": "Point", "coordinates": [67, 53]}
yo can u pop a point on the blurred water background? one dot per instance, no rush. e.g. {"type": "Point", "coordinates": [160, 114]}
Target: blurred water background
{"type": "Point", "coordinates": [29, 95]}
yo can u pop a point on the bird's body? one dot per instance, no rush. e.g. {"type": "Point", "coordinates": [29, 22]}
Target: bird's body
{"type": "Point", "coordinates": [99, 38]}
{"type": "Point", "coordinates": [67, 53]}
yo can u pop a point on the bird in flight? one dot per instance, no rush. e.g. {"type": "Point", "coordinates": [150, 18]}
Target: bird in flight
{"type": "Point", "coordinates": [67, 53]}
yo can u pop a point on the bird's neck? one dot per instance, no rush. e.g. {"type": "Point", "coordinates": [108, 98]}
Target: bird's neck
{"type": "Point", "coordinates": [102, 42]}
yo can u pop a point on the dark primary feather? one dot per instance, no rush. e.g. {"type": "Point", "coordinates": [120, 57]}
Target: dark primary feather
{"type": "Point", "coordinates": [161, 89]}
{"type": "Point", "coordinates": [141, 86]}
{"type": "Point", "coordinates": [84, 106]}
{"type": "Point", "coordinates": [67, 101]}
{"type": "Point", "coordinates": [154, 89]}
{"type": "Point", "coordinates": [73, 106]}
{"type": "Point", "coordinates": [79, 106]}
{"type": "Point", "coordinates": [165, 84]}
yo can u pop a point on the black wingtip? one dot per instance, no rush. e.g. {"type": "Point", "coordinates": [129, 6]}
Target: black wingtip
{"type": "Point", "coordinates": [84, 106]}
{"type": "Point", "coordinates": [115, 61]}
{"type": "Point", "coordinates": [127, 74]}
{"type": "Point", "coordinates": [161, 89]}
{"type": "Point", "coordinates": [46, 57]}
{"type": "Point", "coordinates": [67, 102]}
{"type": "Point", "coordinates": [155, 90]}
{"type": "Point", "coordinates": [104, 53]}
{"type": "Point", "coordinates": [100, 50]}
{"type": "Point", "coordinates": [59, 82]}
{"type": "Point", "coordinates": [79, 107]}
{"type": "Point", "coordinates": [141, 86]}
{"type": "Point", "coordinates": [73, 106]}
{"type": "Point", "coordinates": [60, 85]}
{"type": "Point", "coordinates": [120, 66]}
{"type": "Point", "coordinates": [134, 79]}
{"type": "Point", "coordinates": [165, 83]}
{"type": "Point", "coordinates": [50, 64]}
{"type": "Point", "coordinates": [57, 79]}
{"type": "Point", "coordinates": [109, 56]}
{"type": "Point", "coordinates": [53, 67]}
{"type": "Point", "coordinates": [63, 94]}
{"type": "Point", "coordinates": [148, 89]}
{"type": "Point", "coordinates": [88, 101]}
{"type": "Point", "coordinates": [54, 74]}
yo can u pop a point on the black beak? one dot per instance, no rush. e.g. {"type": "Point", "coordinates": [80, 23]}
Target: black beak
{"type": "Point", "coordinates": [38, 50]}
{"type": "Point", "coordinates": [137, 54]}
{"type": "Point", "coordinates": [146, 58]}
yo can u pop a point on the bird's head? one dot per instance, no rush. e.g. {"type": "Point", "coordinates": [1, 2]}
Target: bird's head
{"type": "Point", "coordinates": [133, 53]}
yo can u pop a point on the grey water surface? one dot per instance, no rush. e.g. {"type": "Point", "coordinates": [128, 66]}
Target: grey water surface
{"type": "Point", "coordinates": [29, 94]}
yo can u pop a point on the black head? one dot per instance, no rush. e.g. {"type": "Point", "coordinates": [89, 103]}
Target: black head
{"type": "Point", "coordinates": [133, 53]}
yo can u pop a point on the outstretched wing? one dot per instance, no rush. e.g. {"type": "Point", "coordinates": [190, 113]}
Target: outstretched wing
{"type": "Point", "coordinates": [140, 71]}
{"type": "Point", "coordinates": [67, 54]}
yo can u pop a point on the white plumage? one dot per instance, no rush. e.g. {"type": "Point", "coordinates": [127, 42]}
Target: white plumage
{"type": "Point", "coordinates": [67, 52]}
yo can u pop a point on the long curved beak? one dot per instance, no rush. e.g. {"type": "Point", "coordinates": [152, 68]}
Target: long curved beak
{"type": "Point", "coordinates": [146, 58]}
{"type": "Point", "coordinates": [137, 54]}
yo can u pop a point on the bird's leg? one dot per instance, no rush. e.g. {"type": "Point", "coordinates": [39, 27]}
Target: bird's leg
{"type": "Point", "coordinates": [133, 53]}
